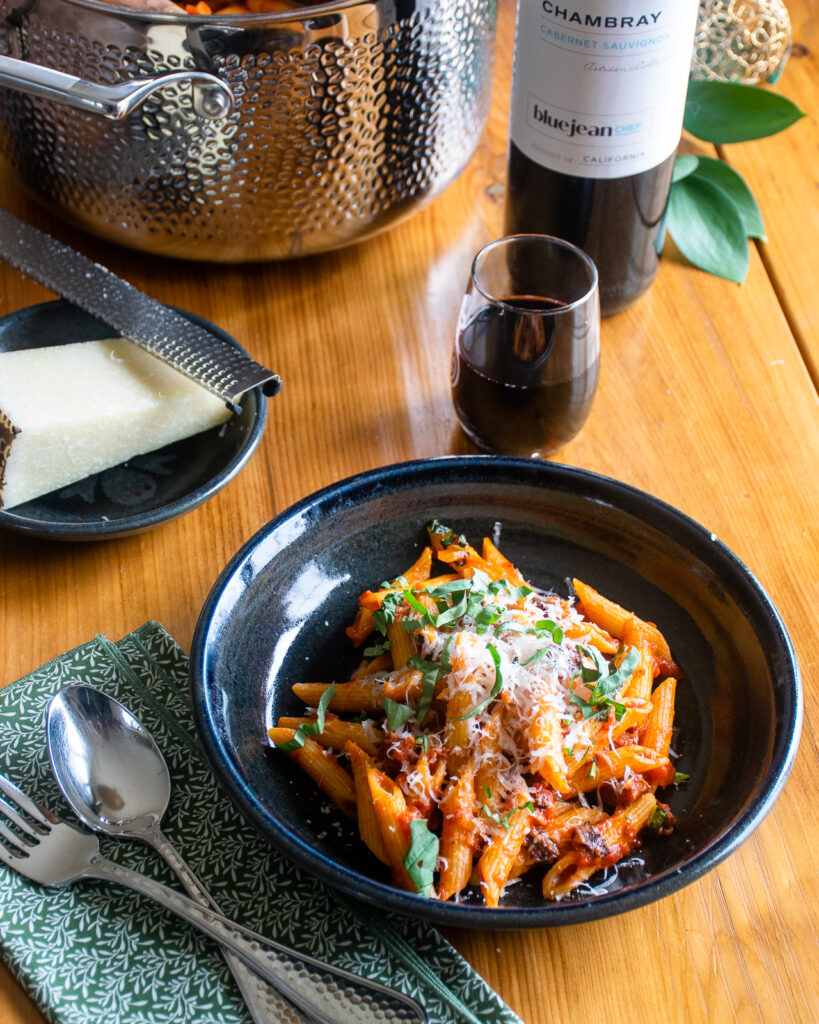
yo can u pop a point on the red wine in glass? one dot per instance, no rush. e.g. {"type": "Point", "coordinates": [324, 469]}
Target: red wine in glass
{"type": "Point", "coordinates": [512, 392]}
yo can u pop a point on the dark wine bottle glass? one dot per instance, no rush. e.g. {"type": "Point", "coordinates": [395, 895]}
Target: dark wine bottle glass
{"type": "Point", "coordinates": [527, 348]}
{"type": "Point", "coordinates": [598, 93]}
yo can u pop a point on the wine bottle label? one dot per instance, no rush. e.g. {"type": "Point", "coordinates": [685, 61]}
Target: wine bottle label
{"type": "Point", "coordinates": [598, 88]}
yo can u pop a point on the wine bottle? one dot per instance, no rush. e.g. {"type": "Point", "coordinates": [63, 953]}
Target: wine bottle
{"type": "Point", "coordinates": [598, 94]}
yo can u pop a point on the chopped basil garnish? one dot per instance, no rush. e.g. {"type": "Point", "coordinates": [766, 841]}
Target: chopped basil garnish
{"type": "Point", "coordinates": [446, 535]}
{"type": "Point", "coordinates": [377, 649]}
{"type": "Point", "coordinates": [448, 589]}
{"type": "Point", "coordinates": [605, 682]}
{"type": "Point", "coordinates": [504, 821]}
{"type": "Point", "coordinates": [397, 714]}
{"type": "Point", "coordinates": [413, 602]}
{"type": "Point", "coordinates": [487, 615]}
{"type": "Point", "coordinates": [492, 816]}
{"type": "Point", "coordinates": [310, 728]}
{"type": "Point", "coordinates": [658, 816]}
{"type": "Point", "coordinates": [432, 673]}
{"type": "Point", "coordinates": [422, 856]}
{"type": "Point", "coordinates": [551, 627]}
{"type": "Point", "coordinates": [453, 601]}
{"type": "Point", "coordinates": [446, 664]}
{"type": "Point", "coordinates": [386, 613]}
{"type": "Point", "coordinates": [496, 687]}
{"type": "Point", "coordinates": [399, 581]}
{"type": "Point", "coordinates": [450, 613]}
{"type": "Point", "coordinates": [681, 777]}
{"type": "Point", "coordinates": [516, 627]}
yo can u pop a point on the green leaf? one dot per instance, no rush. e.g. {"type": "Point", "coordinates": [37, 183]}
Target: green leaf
{"type": "Point", "coordinates": [386, 613]}
{"type": "Point", "coordinates": [516, 627]}
{"type": "Point", "coordinates": [587, 709]}
{"type": "Point", "coordinates": [422, 856]}
{"type": "Point", "coordinates": [374, 652]}
{"type": "Point", "coordinates": [446, 663]}
{"type": "Point", "coordinates": [445, 589]}
{"type": "Point", "coordinates": [312, 728]}
{"type": "Point", "coordinates": [397, 714]}
{"type": "Point", "coordinates": [432, 673]}
{"type": "Point", "coordinates": [451, 614]}
{"type": "Point", "coordinates": [614, 680]}
{"type": "Point", "coordinates": [721, 112]}
{"type": "Point", "coordinates": [552, 628]}
{"type": "Point", "coordinates": [492, 816]}
{"type": "Point", "coordinates": [413, 602]}
{"type": "Point", "coordinates": [707, 229]}
{"type": "Point", "coordinates": [684, 165]}
{"type": "Point", "coordinates": [601, 666]}
{"type": "Point", "coordinates": [733, 184]}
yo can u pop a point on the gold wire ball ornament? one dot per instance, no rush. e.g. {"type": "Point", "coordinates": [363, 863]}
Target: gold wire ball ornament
{"type": "Point", "coordinates": [741, 40]}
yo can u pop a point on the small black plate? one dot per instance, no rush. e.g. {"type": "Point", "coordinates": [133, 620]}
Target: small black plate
{"type": "Point", "coordinates": [148, 489]}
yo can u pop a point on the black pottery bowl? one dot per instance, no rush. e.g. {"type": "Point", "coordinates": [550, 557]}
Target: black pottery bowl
{"type": "Point", "coordinates": [277, 615]}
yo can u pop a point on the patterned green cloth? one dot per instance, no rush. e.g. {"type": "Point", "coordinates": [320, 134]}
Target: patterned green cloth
{"type": "Point", "coordinates": [95, 953]}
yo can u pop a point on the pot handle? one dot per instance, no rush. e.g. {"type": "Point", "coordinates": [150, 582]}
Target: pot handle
{"type": "Point", "coordinates": [212, 98]}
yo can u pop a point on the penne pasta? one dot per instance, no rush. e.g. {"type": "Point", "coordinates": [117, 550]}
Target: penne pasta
{"type": "Point", "coordinates": [390, 810]}
{"type": "Point", "coordinates": [322, 767]}
{"type": "Point", "coordinates": [358, 695]}
{"type": "Point", "coordinates": [615, 619]}
{"type": "Point", "coordinates": [490, 711]}
{"type": "Point", "coordinates": [502, 850]}
{"type": "Point", "coordinates": [337, 733]}
{"type": "Point", "coordinates": [458, 834]}
{"type": "Point", "coordinates": [368, 827]}
{"type": "Point", "coordinates": [616, 834]}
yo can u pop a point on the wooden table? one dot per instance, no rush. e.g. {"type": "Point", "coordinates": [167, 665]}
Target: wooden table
{"type": "Point", "coordinates": [706, 400]}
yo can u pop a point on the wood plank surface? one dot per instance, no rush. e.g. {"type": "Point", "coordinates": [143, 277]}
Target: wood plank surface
{"type": "Point", "coordinates": [784, 172]}
{"type": "Point", "coordinates": [705, 401]}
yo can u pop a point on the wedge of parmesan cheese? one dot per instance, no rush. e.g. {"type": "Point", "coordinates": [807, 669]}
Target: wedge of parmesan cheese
{"type": "Point", "coordinates": [69, 411]}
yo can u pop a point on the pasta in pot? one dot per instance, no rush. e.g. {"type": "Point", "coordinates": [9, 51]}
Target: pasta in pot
{"type": "Point", "coordinates": [216, 6]}
{"type": "Point", "coordinates": [222, 7]}
{"type": "Point", "coordinates": [498, 728]}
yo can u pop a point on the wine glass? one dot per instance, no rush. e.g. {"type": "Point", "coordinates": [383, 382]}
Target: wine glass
{"type": "Point", "coordinates": [527, 348]}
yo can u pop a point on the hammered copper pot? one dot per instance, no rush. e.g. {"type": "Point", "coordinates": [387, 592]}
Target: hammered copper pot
{"type": "Point", "coordinates": [242, 137]}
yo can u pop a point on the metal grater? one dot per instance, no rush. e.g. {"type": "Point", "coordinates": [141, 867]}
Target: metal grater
{"type": "Point", "coordinates": [222, 368]}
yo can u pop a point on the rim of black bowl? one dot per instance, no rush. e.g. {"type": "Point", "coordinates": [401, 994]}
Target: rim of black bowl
{"type": "Point", "coordinates": [57, 529]}
{"type": "Point", "coordinates": [500, 469]}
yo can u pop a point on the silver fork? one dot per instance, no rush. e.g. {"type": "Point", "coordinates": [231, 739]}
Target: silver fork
{"type": "Point", "coordinates": [41, 847]}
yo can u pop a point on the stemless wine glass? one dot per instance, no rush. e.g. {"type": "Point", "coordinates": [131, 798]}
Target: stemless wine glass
{"type": "Point", "coordinates": [527, 348]}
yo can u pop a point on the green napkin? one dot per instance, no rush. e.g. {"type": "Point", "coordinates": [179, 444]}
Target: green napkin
{"type": "Point", "coordinates": [96, 952]}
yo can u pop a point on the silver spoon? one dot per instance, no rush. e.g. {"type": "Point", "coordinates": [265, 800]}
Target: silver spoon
{"type": "Point", "coordinates": [114, 777]}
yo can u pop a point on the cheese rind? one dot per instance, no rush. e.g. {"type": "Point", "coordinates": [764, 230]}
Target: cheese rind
{"type": "Point", "coordinates": [69, 411]}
